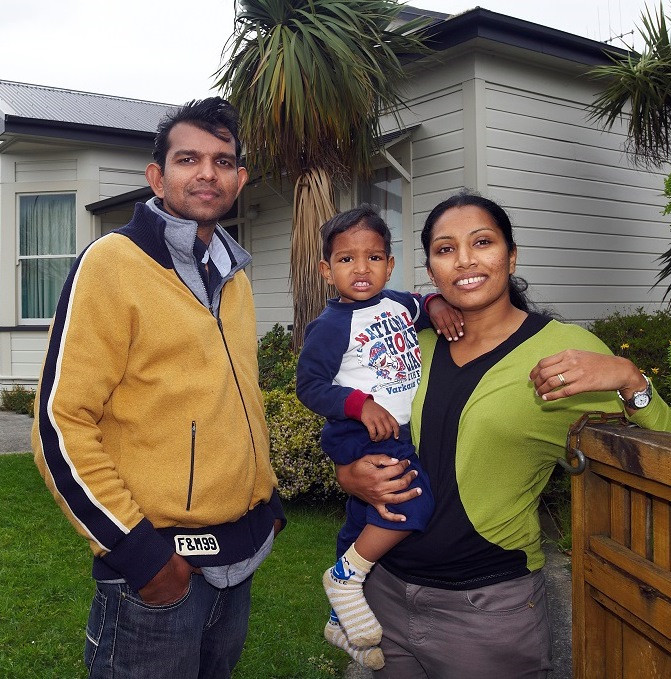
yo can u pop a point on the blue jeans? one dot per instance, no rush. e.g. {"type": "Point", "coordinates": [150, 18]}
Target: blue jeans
{"type": "Point", "coordinates": [198, 637]}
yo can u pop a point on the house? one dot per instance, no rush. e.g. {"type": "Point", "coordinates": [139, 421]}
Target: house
{"type": "Point", "coordinates": [60, 151]}
{"type": "Point", "coordinates": [501, 108]}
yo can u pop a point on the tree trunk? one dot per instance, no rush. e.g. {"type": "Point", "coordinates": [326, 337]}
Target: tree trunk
{"type": "Point", "coordinates": [313, 205]}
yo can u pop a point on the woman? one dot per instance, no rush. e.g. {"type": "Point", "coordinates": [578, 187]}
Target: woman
{"type": "Point", "coordinates": [466, 599]}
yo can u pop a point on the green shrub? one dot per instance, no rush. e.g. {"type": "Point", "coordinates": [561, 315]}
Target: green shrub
{"type": "Point", "coordinates": [18, 399]}
{"type": "Point", "coordinates": [666, 380]}
{"type": "Point", "coordinates": [644, 339]}
{"type": "Point", "coordinates": [277, 363]}
{"type": "Point", "coordinates": [304, 472]}
{"type": "Point", "coordinates": [665, 257]}
{"type": "Point", "coordinates": [556, 500]}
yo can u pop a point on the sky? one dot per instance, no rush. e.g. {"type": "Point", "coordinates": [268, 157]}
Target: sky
{"type": "Point", "coordinates": [167, 50]}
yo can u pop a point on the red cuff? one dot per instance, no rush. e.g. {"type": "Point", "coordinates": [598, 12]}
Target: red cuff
{"type": "Point", "coordinates": [354, 404]}
{"type": "Point", "coordinates": [428, 298]}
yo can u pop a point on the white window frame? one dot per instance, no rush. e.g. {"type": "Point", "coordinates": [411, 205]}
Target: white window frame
{"type": "Point", "coordinates": [21, 258]}
{"type": "Point", "coordinates": [401, 161]}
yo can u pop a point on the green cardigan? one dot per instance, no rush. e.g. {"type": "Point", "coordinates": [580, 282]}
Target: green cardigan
{"type": "Point", "coordinates": [488, 478]}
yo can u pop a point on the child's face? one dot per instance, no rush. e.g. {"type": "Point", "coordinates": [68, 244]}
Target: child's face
{"type": "Point", "coordinates": [359, 267]}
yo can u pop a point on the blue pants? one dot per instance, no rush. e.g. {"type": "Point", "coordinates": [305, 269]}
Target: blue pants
{"type": "Point", "coordinates": [198, 637]}
{"type": "Point", "coordinates": [347, 441]}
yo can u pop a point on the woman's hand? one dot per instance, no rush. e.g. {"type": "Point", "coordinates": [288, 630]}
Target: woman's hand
{"type": "Point", "coordinates": [372, 479]}
{"type": "Point", "coordinates": [585, 371]}
{"type": "Point", "coordinates": [446, 319]}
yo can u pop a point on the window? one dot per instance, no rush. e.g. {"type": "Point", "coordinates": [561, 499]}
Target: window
{"type": "Point", "coordinates": [385, 191]}
{"type": "Point", "coordinates": [46, 251]}
{"type": "Point", "coordinates": [233, 232]}
{"type": "Point", "coordinates": [231, 223]}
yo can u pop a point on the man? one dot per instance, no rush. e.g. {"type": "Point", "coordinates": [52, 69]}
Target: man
{"type": "Point", "coordinates": [149, 426]}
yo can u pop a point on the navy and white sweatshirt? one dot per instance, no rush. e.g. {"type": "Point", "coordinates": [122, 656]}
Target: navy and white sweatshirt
{"type": "Point", "coordinates": [361, 349]}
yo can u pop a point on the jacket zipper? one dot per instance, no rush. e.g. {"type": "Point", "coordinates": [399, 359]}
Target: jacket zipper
{"type": "Point", "coordinates": [193, 463]}
{"type": "Point", "coordinates": [220, 325]}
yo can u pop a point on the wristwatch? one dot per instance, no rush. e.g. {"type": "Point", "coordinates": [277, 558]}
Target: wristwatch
{"type": "Point", "coordinates": [639, 399]}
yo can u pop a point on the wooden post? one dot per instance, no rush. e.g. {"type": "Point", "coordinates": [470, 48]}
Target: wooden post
{"type": "Point", "coordinates": [621, 517]}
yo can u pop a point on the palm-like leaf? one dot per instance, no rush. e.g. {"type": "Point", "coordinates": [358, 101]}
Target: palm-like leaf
{"type": "Point", "coordinates": [644, 82]}
{"type": "Point", "coordinates": [665, 258]}
{"type": "Point", "coordinates": [311, 79]}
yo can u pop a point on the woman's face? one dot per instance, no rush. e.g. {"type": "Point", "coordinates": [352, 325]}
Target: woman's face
{"type": "Point", "coordinates": [469, 261]}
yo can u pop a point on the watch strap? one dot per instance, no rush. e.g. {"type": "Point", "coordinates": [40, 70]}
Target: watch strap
{"type": "Point", "coordinates": [631, 402]}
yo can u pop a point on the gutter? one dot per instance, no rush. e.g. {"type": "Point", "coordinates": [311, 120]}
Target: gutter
{"type": "Point", "coordinates": [96, 134]}
{"type": "Point", "coordinates": [500, 28]}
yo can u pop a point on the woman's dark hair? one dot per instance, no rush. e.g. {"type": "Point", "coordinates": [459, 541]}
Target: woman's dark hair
{"type": "Point", "coordinates": [365, 216]}
{"type": "Point", "coordinates": [516, 286]}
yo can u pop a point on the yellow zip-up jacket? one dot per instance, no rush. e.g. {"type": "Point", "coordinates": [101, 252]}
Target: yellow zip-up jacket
{"type": "Point", "coordinates": [149, 419]}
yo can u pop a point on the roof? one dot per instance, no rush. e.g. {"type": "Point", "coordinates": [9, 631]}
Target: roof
{"type": "Point", "coordinates": [121, 200]}
{"type": "Point", "coordinates": [408, 13]}
{"type": "Point", "coordinates": [449, 30]}
{"type": "Point", "coordinates": [388, 138]}
{"type": "Point", "coordinates": [38, 110]}
{"type": "Point", "coordinates": [485, 24]}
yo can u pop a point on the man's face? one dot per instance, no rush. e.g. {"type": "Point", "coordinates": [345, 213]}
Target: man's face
{"type": "Point", "coordinates": [201, 179]}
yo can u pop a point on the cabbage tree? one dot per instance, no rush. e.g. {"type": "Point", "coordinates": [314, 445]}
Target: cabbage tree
{"type": "Point", "coordinates": [311, 79]}
{"type": "Point", "coordinates": [638, 90]}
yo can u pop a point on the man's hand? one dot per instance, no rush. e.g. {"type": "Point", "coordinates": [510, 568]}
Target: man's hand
{"type": "Point", "coordinates": [381, 424]}
{"type": "Point", "coordinates": [585, 371]}
{"type": "Point", "coordinates": [277, 527]}
{"type": "Point", "coordinates": [170, 584]}
{"type": "Point", "coordinates": [373, 479]}
{"type": "Point", "coordinates": [446, 319]}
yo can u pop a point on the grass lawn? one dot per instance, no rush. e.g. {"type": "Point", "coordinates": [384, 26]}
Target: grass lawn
{"type": "Point", "coordinates": [46, 590]}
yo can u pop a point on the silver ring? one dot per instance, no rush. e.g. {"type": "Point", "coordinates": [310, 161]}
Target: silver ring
{"type": "Point", "coordinates": [561, 379]}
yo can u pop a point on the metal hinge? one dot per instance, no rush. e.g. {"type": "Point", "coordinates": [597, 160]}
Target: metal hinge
{"type": "Point", "coordinates": [575, 429]}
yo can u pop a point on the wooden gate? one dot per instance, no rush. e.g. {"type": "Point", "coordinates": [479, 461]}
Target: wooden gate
{"type": "Point", "coordinates": [622, 553]}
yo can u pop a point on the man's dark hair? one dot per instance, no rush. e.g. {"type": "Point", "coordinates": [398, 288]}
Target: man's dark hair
{"type": "Point", "coordinates": [365, 216]}
{"type": "Point", "coordinates": [209, 114]}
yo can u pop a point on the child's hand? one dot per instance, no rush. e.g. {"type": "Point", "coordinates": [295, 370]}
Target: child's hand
{"type": "Point", "coordinates": [380, 423]}
{"type": "Point", "coordinates": [446, 319]}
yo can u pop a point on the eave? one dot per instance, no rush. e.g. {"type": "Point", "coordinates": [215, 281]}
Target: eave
{"type": "Point", "coordinates": [500, 28]}
{"type": "Point", "coordinates": [17, 126]}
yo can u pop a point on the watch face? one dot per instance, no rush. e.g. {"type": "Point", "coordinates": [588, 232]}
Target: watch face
{"type": "Point", "coordinates": [641, 400]}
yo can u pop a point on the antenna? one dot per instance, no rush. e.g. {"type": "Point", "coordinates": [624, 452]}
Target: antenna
{"type": "Point", "coordinates": [610, 26]}
{"type": "Point", "coordinates": [619, 37]}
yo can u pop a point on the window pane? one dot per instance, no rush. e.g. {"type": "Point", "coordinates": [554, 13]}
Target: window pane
{"type": "Point", "coordinates": [232, 213]}
{"type": "Point", "coordinates": [41, 283]}
{"type": "Point", "coordinates": [47, 224]}
{"type": "Point", "coordinates": [232, 231]}
{"type": "Point", "coordinates": [385, 191]}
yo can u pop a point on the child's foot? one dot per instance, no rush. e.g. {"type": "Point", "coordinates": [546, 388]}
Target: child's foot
{"type": "Point", "coordinates": [367, 657]}
{"type": "Point", "coordinates": [344, 588]}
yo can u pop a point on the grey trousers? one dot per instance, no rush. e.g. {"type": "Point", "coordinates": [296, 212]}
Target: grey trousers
{"type": "Point", "coordinates": [500, 631]}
